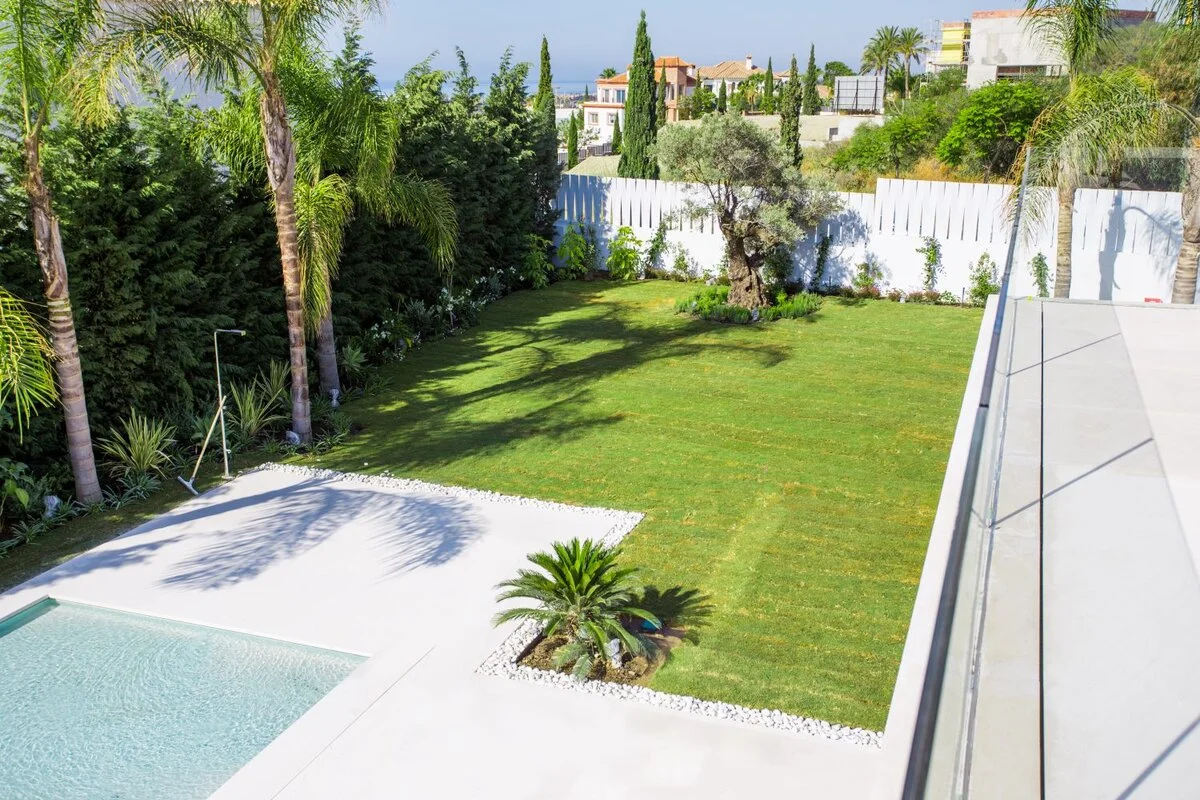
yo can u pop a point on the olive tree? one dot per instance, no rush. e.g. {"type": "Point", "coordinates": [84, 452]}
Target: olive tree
{"type": "Point", "coordinates": [746, 182]}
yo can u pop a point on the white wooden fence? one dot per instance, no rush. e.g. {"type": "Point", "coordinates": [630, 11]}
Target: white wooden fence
{"type": "Point", "coordinates": [1124, 248]}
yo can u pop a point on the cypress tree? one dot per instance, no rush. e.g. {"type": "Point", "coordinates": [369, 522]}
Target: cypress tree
{"type": "Point", "coordinates": [768, 100]}
{"type": "Point", "coordinates": [660, 113]}
{"type": "Point", "coordinates": [722, 99]}
{"type": "Point", "coordinates": [812, 100]}
{"type": "Point", "coordinates": [543, 101]}
{"type": "Point", "coordinates": [637, 159]}
{"type": "Point", "coordinates": [789, 123]}
{"type": "Point", "coordinates": [616, 135]}
{"type": "Point", "coordinates": [573, 143]}
{"type": "Point", "coordinates": [546, 172]}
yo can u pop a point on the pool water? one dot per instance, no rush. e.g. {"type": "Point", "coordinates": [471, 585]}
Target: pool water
{"type": "Point", "coordinates": [113, 706]}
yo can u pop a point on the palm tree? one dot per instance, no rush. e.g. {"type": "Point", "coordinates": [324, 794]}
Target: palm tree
{"type": "Point", "coordinates": [1089, 131]}
{"type": "Point", "coordinates": [222, 43]}
{"type": "Point", "coordinates": [910, 46]}
{"type": "Point", "coordinates": [346, 137]}
{"type": "Point", "coordinates": [882, 52]}
{"type": "Point", "coordinates": [26, 377]}
{"type": "Point", "coordinates": [40, 42]}
{"type": "Point", "coordinates": [582, 594]}
{"type": "Point", "coordinates": [1077, 29]}
{"type": "Point", "coordinates": [1182, 20]}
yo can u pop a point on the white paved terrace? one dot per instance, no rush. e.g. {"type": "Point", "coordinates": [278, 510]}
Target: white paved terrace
{"type": "Point", "coordinates": [406, 577]}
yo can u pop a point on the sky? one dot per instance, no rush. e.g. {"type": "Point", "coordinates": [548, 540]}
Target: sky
{"type": "Point", "coordinates": [586, 38]}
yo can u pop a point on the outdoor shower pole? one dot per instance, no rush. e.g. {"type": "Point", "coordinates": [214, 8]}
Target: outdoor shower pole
{"type": "Point", "coordinates": [221, 393]}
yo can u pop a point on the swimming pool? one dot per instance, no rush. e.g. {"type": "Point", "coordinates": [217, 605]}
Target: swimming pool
{"type": "Point", "coordinates": [104, 704]}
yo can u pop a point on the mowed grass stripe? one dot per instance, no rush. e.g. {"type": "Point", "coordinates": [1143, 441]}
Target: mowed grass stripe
{"type": "Point", "coordinates": [790, 471]}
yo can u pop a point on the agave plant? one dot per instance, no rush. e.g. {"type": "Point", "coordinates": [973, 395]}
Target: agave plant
{"type": "Point", "coordinates": [255, 411]}
{"type": "Point", "coordinates": [142, 446]}
{"type": "Point", "coordinates": [581, 593]}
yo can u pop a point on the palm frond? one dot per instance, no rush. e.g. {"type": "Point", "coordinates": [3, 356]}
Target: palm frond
{"type": "Point", "coordinates": [322, 212]}
{"type": "Point", "coordinates": [26, 377]}
{"type": "Point", "coordinates": [1076, 28]}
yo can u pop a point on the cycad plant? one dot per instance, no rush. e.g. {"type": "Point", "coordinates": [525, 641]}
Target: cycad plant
{"type": "Point", "coordinates": [581, 593]}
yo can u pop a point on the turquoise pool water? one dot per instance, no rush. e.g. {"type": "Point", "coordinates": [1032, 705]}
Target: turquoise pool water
{"type": "Point", "coordinates": [103, 705]}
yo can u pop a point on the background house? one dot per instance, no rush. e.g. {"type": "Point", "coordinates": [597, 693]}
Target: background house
{"type": "Point", "coordinates": [600, 114]}
{"type": "Point", "coordinates": [734, 73]}
{"type": "Point", "coordinates": [1000, 45]}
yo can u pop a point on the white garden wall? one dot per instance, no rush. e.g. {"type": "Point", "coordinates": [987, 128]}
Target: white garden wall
{"type": "Point", "coordinates": [1125, 242]}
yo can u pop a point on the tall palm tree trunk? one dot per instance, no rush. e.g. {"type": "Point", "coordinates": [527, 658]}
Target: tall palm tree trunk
{"type": "Point", "coordinates": [48, 242]}
{"type": "Point", "coordinates": [327, 357]}
{"type": "Point", "coordinates": [1062, 261]}
{"type": "Point", "coordinates": [907, 73]}
{"type": "Point", "coordinates": [1183, 288]}
{"type": "Point", "coordinates": [281, 169]}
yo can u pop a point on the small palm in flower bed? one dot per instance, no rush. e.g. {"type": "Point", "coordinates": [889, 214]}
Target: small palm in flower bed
{"type": "Point", "coordinates": [583, 596]}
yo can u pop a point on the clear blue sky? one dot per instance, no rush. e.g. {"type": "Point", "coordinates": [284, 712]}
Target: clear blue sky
{"type": "Point", "coordinates": [585, 38]}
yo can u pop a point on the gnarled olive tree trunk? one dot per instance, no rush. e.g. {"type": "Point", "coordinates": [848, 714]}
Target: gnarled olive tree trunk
{"type": "Point", "coordinates": [1062, 261]}
{"type": "Point", "coordinates": [281, 170]}
{"type": "Point", "coordinates": [67, 369]}
{"type": "Point", "coordinates": [1183, 288]}
{"type": "Point", "coordinates": [746, 286]}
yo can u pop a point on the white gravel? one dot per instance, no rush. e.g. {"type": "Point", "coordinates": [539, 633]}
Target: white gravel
{"type": "Point", "coordinates": [502, 661]}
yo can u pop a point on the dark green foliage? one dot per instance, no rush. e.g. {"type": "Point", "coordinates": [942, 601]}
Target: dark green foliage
{"type": "Point", "coordinates": [616, 135]}
{"type": "Point", "coordinates": [572, 142]}
{"type": "Point", "coordinates": [992, 126]}
{"type": "Point", "coordinates": [789, 123]}
{"type": "Point", "coordinates": [546, 170]}
{"type": "Point", "coordinates": [161, 252]}
{"type": "Point", "coordinates": [834, 70]}
{"type": "Point", "coordinates": [811, 100]}
{"type": "Point", "coordinates": [906, 136]}
{"type": "Point", "coordinates": [637, 144]}
{"type": "Point", "coordinates": [722, 99]}
{"type": "Point", "coordinates": [660, 108]}
{"type": "Point", "coordinates": [767, 106]}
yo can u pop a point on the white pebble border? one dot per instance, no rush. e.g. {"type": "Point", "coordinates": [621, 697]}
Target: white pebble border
{"type": "Point", "coordinates": [503, 661]}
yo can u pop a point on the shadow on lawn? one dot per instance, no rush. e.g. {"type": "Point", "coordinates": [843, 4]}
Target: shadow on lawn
{"type": "Point", "coordinates": [678, 608]}
{"type": "Point", "coordinates": [544, 377]}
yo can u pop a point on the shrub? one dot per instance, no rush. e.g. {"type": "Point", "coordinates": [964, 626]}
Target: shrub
{"type": "Point", "coordinates": [983, 280]}
{"type": "Point", "coordinates": [778, 268]}
{"type": "Point", "coordinates": [798, 305]}
{"type": "Point", "coordinates": [652, 261]}
{"type": "Point", "coordinates": [895, 295]}
{"type": "Point", "coordinates": [276, 384]}
{"type": "Point", "coordinates": [867, 278]}
{"type": "Point", "coordinates": [924, 297]}
{"type": "Point", "coordinates": [254, 411]}
{"type": "Point", "coordinates": [683, 268]}
{"type": "Point", "coordinates": [1041, 275]}
{"type": "Point", "coordinates": [624, 252]}
{"type": "Point", "coordinates": [581, 593]}
{"type": "Point", "coordinates": [140, 447]}
{"type": "Point", "coordinates": [536, 266]}
{"type": "Point", "coordinates": [712, 304]}
{"type": "Point", "coordinates": [578, 251]}
{"type": "Point", "coordinates": [932, 250]}
{"type": "Point", "coordinates": [353, 364]}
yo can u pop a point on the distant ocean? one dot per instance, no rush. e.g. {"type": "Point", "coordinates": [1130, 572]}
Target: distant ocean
{"type": "Point", "coordinates": [569, 87]}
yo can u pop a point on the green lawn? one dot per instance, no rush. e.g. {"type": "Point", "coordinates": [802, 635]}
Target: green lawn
{"type": "Point", "coordinates": [790, 472]}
